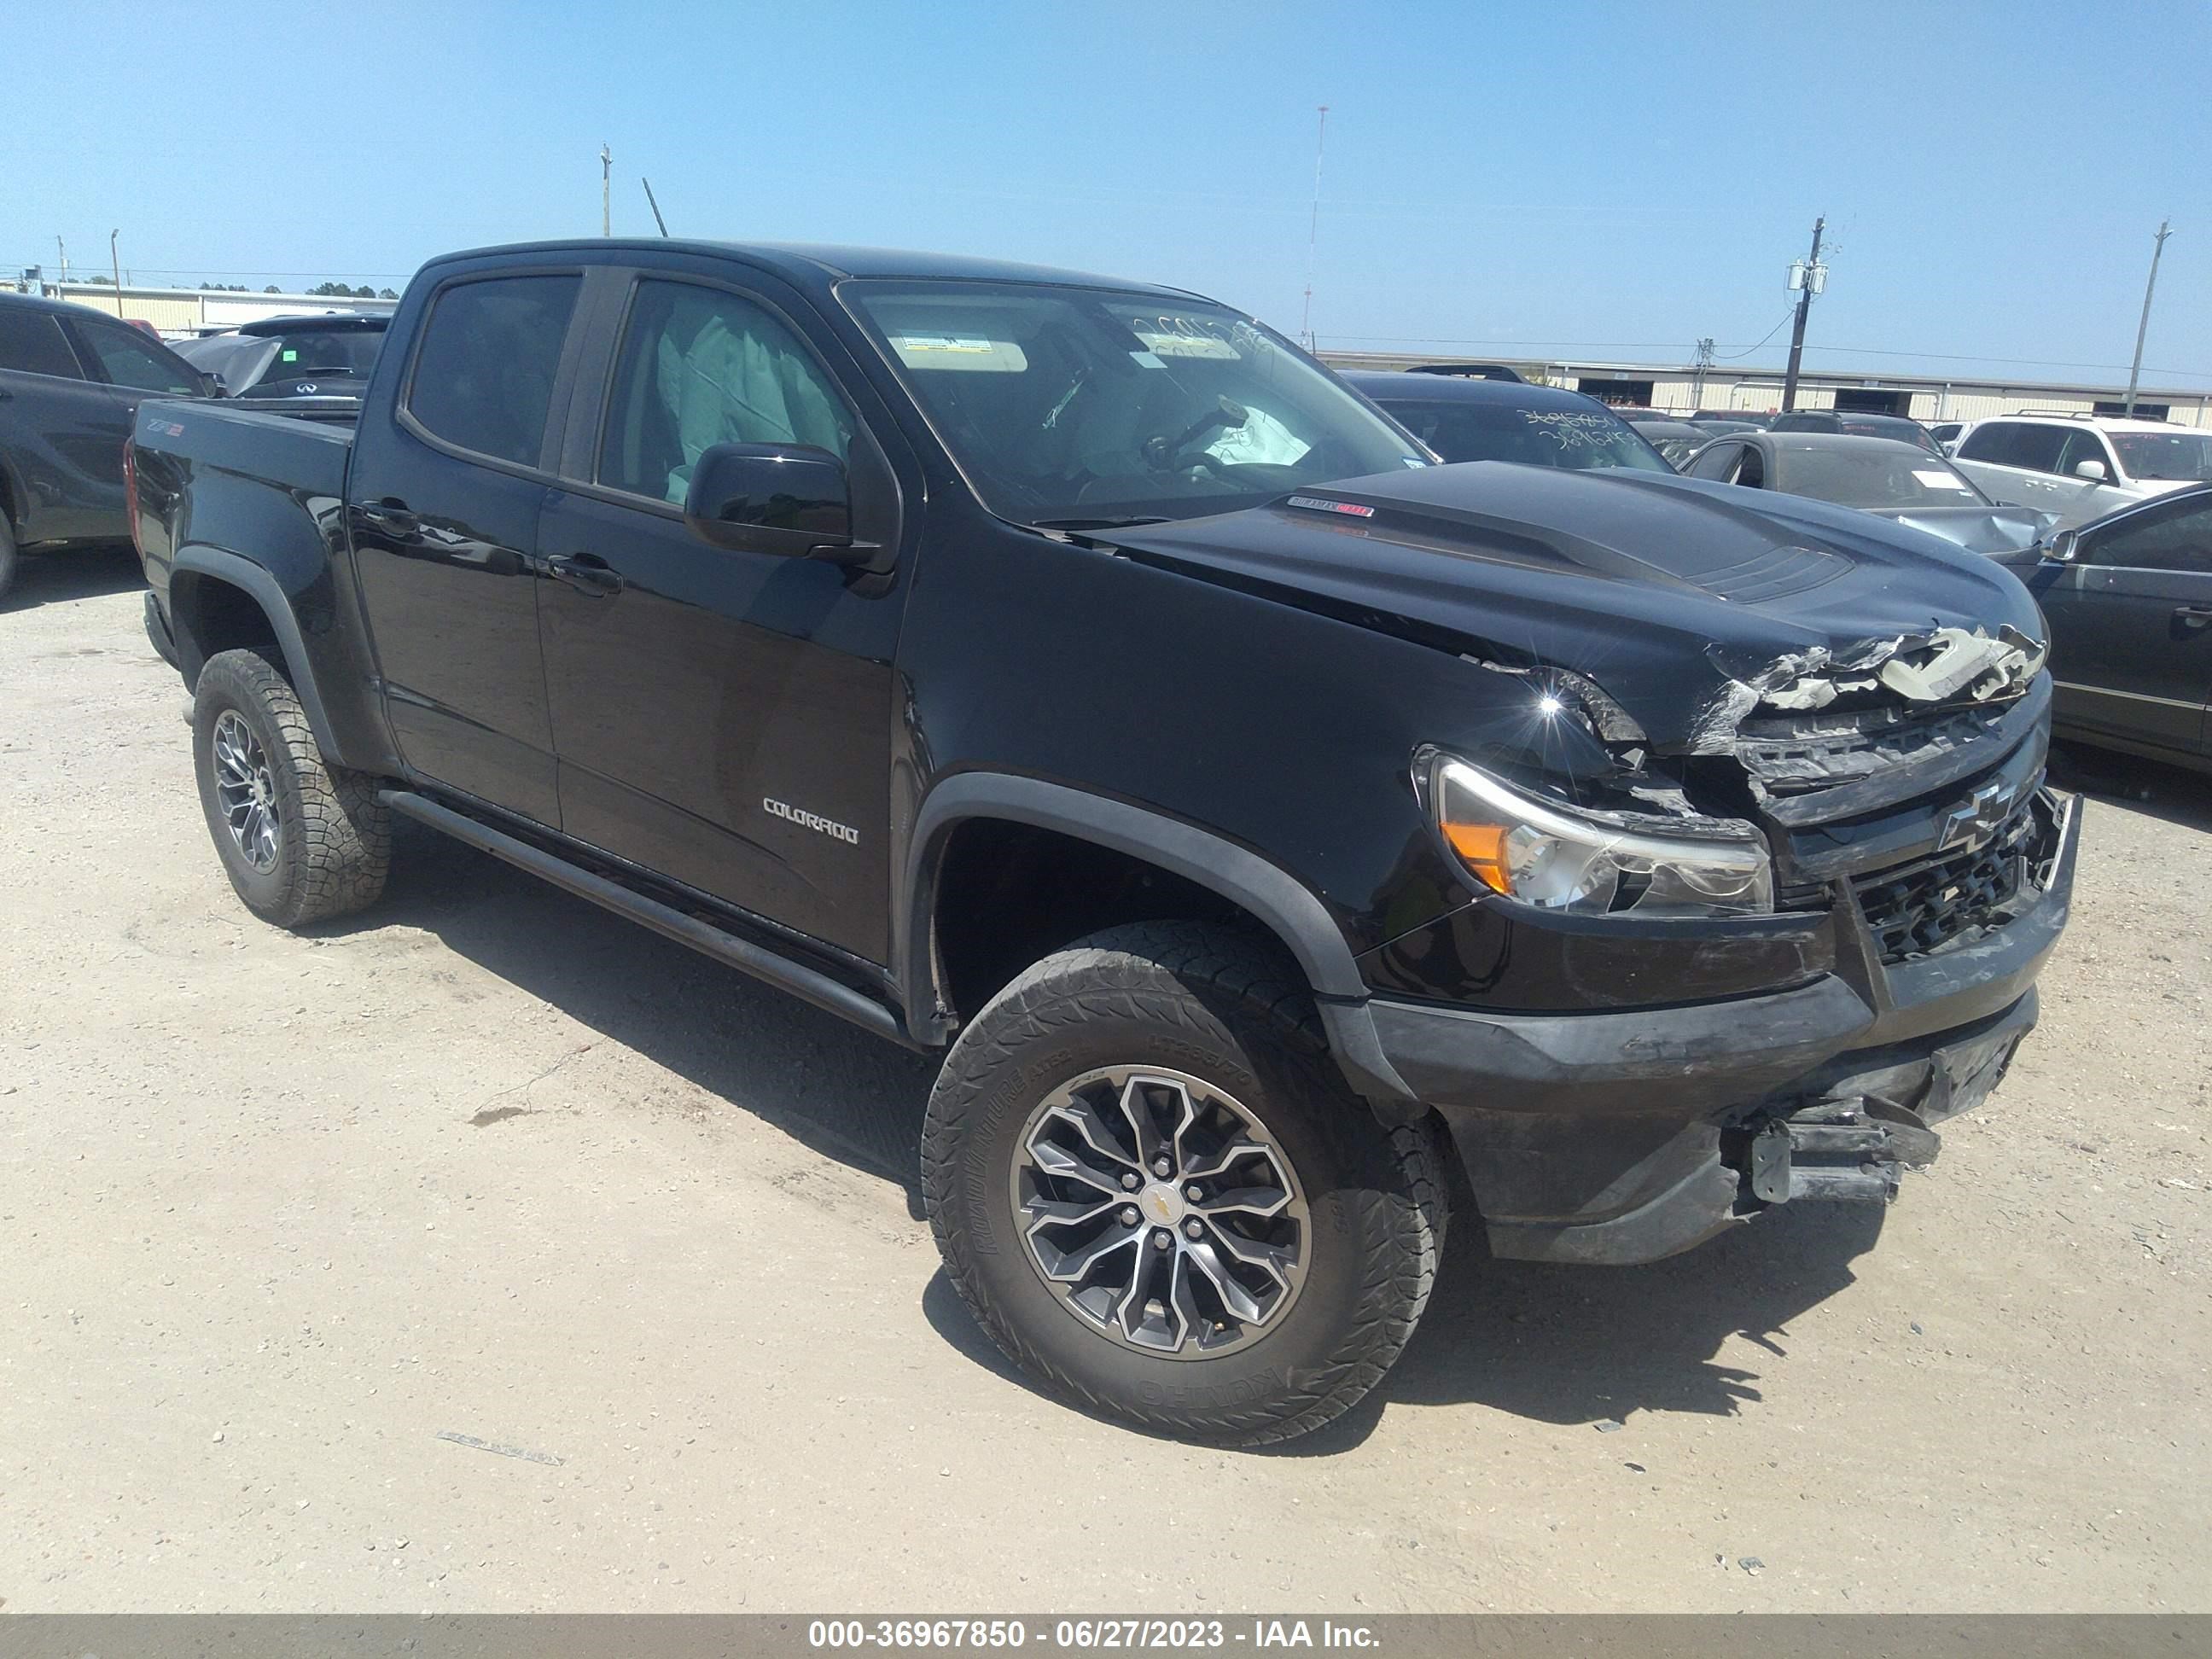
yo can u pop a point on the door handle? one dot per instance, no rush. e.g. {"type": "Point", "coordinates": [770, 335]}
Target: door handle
{"type": "Point", "coordinates": [2193, 616]}
{"type": "Point", "coordinates": [586, 573]}
{"type": "Point", "coordinates": [390, 518]}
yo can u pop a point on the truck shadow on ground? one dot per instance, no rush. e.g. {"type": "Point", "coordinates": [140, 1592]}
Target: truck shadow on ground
{"type": "Point", "coordinates": [1557, 1344]}
{"type": "Point", "coordinates": [845, 1094]}
{"type": "Point", "coordinates": [58, 578]}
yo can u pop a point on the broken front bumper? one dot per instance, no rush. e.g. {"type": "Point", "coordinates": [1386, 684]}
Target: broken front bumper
{"type": "Point", "coordinates": [1623, 1137]}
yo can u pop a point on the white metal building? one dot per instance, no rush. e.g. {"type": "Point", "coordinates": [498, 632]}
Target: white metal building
{"type": "Point", "coordinates": [180, 312]}
{"type": "Point", "coordinates": [1927, 398]}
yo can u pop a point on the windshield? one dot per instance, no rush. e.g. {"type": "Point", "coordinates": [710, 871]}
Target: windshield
{"type": "Point", "coordinates": [1074, 407]}
{"type": "Point", "coordinates": [1569, 437]}
{"type": "Point", "coordinates": [2186, 455]}
{"type": "Point", "coordinates": [1873, 478]}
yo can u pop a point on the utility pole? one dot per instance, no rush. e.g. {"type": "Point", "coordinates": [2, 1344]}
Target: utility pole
{"type": "Point", "coordinates": [1313, 233]}
{"type": "Point", "coordinates": [115, 260]}
{"type": "Point", "coordinates": [2135, 369]}
{"type": "Point", "coordinates": [1809, 280]}
{"type": "Point", "coordinates": [1697, 382]}
{"type": "Point", "coordinates": [606, 191]}
{"type": "Point", "coordinates": [62, 248]}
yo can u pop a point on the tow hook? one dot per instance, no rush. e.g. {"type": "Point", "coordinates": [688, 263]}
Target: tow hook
{"type": "Point", "coordinates": [1847, 1151]}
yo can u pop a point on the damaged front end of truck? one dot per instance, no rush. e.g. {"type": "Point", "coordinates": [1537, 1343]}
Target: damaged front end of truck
{"type": "Point", "coordinates": [1760, 861]}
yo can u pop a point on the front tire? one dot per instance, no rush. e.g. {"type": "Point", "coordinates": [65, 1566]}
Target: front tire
{"type": "Point", "coordinates": [1283, 1241]}
{"type": "Point", "coordinates": [8, 557]}
{"type": "Point", "coordinates": [302, 841]}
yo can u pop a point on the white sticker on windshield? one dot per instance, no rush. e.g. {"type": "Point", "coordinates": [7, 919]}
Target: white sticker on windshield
{"type": "Point", "coordinates": [1146, 360]}
{"type": "Point", "coordinates": [1179, 337]}
{"type": "Point", "coordinates": [959, 351]}
{"type": "Point", "coordinates": [1938, 480]}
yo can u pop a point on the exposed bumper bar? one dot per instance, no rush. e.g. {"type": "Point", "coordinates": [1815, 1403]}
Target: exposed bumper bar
{"type": "Point", "coordinates": [1625, 1137]}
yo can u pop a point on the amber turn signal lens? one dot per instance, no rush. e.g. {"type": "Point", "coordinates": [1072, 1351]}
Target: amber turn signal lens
{"type": "Point", "coordinates": [1481, 847]}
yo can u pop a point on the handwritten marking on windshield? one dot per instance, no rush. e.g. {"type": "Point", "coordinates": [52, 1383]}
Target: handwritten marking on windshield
{"type": "Point", "coordinates": [1573, 429]}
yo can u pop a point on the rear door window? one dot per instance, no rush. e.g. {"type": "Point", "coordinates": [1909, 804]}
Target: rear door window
{"type": "Point", "coordinates": [483, 374]}
{"type": "Point", "coordinates": [31, 343]}
{"type": "Point", "coordinates": [126, 360]}
{"type": "Point", "coordinates": [2014, 443]}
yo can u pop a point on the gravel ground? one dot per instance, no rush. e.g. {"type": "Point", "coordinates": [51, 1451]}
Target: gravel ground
{"type": "Point", "coordinates": [489, 1253]}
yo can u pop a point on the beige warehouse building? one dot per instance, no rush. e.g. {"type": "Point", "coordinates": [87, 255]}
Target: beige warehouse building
{"type": "Point", "coordinates": [185, 311]}
{"type": "Point", "coordinates": [1926, 398]}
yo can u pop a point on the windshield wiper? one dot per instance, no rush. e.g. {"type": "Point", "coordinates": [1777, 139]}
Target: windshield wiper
{"type": "Point", "coordinates": [1128, 523]}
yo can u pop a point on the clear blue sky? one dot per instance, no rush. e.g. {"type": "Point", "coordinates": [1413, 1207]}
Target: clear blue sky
{"type": "Point", "coordinates": [1596, 179]}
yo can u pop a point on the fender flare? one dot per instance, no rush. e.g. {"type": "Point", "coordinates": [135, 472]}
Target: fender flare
{"type": "Point", "coordinates": [1271, 894]}
{"type": "Point", "coordinates": [264, 590]}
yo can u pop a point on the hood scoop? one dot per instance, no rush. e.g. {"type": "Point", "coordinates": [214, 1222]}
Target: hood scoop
{"type": "Point", "coordinates": [1779, 572]}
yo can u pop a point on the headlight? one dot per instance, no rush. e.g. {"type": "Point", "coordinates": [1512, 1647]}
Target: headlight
{"type": "Point", "coordinates": [1557, 859]}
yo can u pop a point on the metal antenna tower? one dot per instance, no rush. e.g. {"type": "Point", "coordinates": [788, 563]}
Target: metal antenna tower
{"type": "Point", "coordinates": [1313, 233]}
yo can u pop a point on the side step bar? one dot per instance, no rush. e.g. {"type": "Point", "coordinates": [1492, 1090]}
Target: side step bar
{"type": "Point", "coordinates": [802, 982]}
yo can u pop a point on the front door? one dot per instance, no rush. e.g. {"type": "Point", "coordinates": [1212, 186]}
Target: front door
{"type": "Point", "coordinates": [2131, 627]}
{"type": "Point", "coordinates": [722, 718]}
{"type": "Point", "coordinates": [445, 492]}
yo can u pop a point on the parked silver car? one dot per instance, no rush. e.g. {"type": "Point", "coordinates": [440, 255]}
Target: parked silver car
{"type": "Point", "coordinates": [2081, 467]}
{"type": "Point", "coordinates": [1882, 475]}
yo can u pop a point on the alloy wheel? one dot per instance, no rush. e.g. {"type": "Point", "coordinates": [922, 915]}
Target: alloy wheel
{"type": "Point", "coordinates": [246, 790]}
{"type": "Point", "coordinates": [1160, 1211]}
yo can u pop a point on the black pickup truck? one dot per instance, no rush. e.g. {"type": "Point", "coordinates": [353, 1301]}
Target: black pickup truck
{"type": "Point", "coordinates": [1281, 836]}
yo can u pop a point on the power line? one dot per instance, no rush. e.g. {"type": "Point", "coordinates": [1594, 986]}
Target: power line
{"type": "Point", "coordinates": [1731, 356]}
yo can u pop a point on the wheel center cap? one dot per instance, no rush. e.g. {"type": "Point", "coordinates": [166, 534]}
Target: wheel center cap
{"type": "Point", "coordinates": [1162, 1203]}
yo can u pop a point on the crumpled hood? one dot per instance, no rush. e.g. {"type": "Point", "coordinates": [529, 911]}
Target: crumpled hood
{"type": "Point", "coordinates": [1671, 594]}
{"type": "Point", "coordinates": [1976, 529]}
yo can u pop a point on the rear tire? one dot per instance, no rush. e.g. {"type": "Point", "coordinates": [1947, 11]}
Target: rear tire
{"type": "Point", "coordinates": [8, 560]}
{"type": "Point", "coordinates": [301, 840]}
{"type": "Point", "coordinates": [1201, 1029]}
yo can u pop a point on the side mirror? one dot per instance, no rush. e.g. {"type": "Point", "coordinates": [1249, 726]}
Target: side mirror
{"type": "Point", "coordinates": [2093, 471]}
{"type": "Point", "coordinates": [791, 499]}
{"type": "Point", "coordinates": [211, 384]}
{"type": "Point", "coordinates": [2066, 546]}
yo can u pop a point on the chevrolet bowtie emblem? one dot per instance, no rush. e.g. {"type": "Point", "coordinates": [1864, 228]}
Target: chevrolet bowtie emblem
{"type": "Point", "coordinates": [1976, 818]}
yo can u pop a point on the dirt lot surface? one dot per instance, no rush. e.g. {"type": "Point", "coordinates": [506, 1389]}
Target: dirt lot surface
{"type": "Point", "coordinates": [302, 1240]}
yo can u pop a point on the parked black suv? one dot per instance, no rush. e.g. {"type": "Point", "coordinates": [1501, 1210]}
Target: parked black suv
{"type": "Point", "coordinates": [71, 380]}
{"type": "Point", "coordinates": [314, 355]}
{"type": "Point", "coordinates": [1073, 678]}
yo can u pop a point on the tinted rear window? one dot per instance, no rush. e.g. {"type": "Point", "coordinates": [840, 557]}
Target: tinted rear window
{"type": "Point", "coordinates": [484, 377]}
{"type": "Point", "coordinates": [33, 342]}
{"type": "Point", "coordinates": [350, 352]}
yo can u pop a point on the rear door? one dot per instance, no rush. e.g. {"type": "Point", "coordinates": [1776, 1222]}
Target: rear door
{"type": "Point", "coordinates": [2131, 627]}
{"type": "Point", "coordinates": [66, 413]}
{"type": "Point", "coordinates": [448, 478]}
{"type": "Point", "coordinates": [2015, 462]}
{"type": "Point", "coordinates": [723, 718]}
